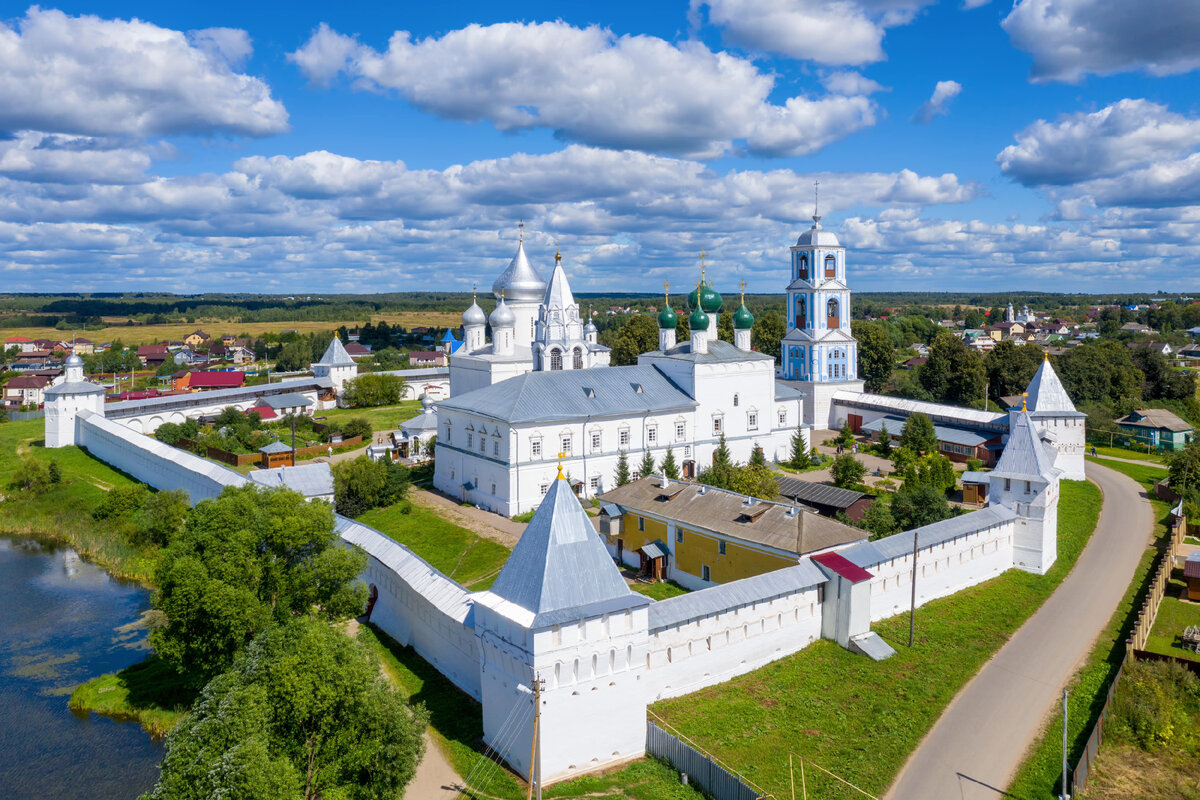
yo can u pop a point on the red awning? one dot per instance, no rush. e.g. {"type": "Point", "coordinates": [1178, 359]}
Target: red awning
{"type": "Point", "coordinates": [843, 566]}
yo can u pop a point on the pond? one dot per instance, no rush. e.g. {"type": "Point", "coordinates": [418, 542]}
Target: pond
{"type": "Point", "coordinates": [62, 622]}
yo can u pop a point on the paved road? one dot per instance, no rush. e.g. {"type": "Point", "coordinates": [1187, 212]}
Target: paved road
{"type": "Point", "coordinates": [975, 748]}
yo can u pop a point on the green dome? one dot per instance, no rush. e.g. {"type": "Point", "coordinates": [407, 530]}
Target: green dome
{"type": "Point", "coordinates": [667, 318]}
{"type": "Point", "coordinates": [710, 301]}
{"type": "Point", "coordinates": [692, 300]}
{"type": "Point", "coordinates": [698, 321]}
{"type": "Point", "coordinates": [742, 318]}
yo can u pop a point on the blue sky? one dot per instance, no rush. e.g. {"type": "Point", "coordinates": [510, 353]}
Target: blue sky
{"type": "Point", "coordinates": [1046, 145]}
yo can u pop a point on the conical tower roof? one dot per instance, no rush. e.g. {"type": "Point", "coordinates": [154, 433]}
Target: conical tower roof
{"type": "Point", "coordinates": [560, 562]}
{"type": "Point", "coordinates": [1047, 396]}
{"type": "Point", "coordinates": [520, 283]}
{"type": "Point", "coordinates": [558, 293]}
{"type": "Point", "coordinates": [336, 355]}
{"type": "Point", "coordinates": [1024, 456]}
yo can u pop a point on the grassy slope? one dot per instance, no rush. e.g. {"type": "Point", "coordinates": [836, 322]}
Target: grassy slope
{"type": "Point", "coordinates": [64, 512]}
{"type": "Point", "coordinates": [459, 553]}
{"type": "Point", "coordinates": [859, 718]}
{"type": "Point", "coordinates": [1040, 774]}
{"type": "Point", "coordinates": [456, 723]}
{"type": "Point", "coordinates": [148, 692]}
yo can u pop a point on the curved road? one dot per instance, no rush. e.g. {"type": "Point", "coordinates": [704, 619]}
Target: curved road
{"type": "Point", "coordinates": [974, 749]}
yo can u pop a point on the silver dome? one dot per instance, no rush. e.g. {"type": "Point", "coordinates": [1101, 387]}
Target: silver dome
{"type": "Point", "coordinates": [426, 401]}
{"type": "Point", "coordinates": [474, 316]}
{"type": "Point", "coordinates": [590, 327]}
{"type": "Point", "coordinates": [816, 235]}
{"type": "Point", "coordinates": [520, 283]}
{"type": "Point", "coordinates": [503, 316]}
{"type": "Point", "coordinates": [74, 360]}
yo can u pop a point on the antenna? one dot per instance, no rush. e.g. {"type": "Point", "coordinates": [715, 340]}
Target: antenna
{"type": "Point", "coordinates": [521, 232]}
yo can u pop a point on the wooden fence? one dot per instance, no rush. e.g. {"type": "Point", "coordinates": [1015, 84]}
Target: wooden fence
{"type": "Point", "coordinates": [217, 454]}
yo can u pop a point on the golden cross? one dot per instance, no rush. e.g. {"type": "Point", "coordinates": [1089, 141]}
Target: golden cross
{"type": "Point", "coordinates": [521, 234]}
{"type": "Point", "coordinates": [1024, 396]}
{"type": "Point", "coordinates": [561, 456]}
{"type": "Point", "coordinates": [667, 292]}
{"type": "Point", "coordinates": [742, 288]}
{"type": "Point", "coordinates": [703, 255]}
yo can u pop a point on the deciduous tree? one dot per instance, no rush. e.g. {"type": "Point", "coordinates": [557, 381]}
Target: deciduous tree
{"type": "Point", "coordinates": [847, 471]}
{"type": "Point", "coordinates": [876, 355]}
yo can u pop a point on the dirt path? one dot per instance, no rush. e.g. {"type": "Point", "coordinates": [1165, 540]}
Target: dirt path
{"type": "Point", "coordinates": [485, 523]}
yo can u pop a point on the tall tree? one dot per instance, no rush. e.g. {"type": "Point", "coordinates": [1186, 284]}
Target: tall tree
{"type": "Point", "coordinates": [638, 335]}
{"type": "Point", "coordinates": [847, 470]}
{"type": "Point", "coordinates": [799, 458]}
{"type": "Point", "coordinates": [954, 372]}
{"type": "Point", "coordinates": [767, 333]}
{"type": "Point", "coordinates": [876, 355]}
{"type": "Point", "coordinates": [918, 434]}
{"type": "Point", "coordinates": [669, 466]}
{"type": "Point", "coordinates": [622, 474]}
{"type": "Point", "coordinates": [885, 440]}
{"type": "Point", "coordinates": [917, 506]}
{"type": "Point", "coordinates": [647, 466]}
{"type": "Point", "coordinates": [757, 457]}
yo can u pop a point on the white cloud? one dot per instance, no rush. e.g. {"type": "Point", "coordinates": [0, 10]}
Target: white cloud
{"type": "Point", "coordinates": [40, 157]}
{"type": "Point", "coordinates": [1127, 135]}
{"type": "Point", "coordinates": [836, 32]}
{"type": "Point", "coordinates": [90, 76]}
{"type": "Point", "coordinates": [938, 103]}
{"type": "Point", "coordinates": [1070, 38]}
{"type": "Point", "coordinates": [850, 82]}
{"type": "Point", "coordinates": [589, 86]}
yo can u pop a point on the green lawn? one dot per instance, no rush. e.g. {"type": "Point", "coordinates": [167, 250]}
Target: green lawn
{"type": "Point", "coordinates": [1039, 776]}
{"type": "Point", "coordinates": [659, 591]}
{"type": "Point", "coordinates": [1174, 614]}
{"type": "Point", "coordinates": [461, 554]}
{"type": "Point", "coordinates": [1121, 452]}
{"type": "Point", "coordinates": [861, 718]}
{"type": "Point", "coordinates": [384, 418]}
{"type": "Point", "coordinates": [148, 692]}
{"type": "Point", "coordinates": [63, 513]}
{"type": "Point", "coordinates": [456, 724]}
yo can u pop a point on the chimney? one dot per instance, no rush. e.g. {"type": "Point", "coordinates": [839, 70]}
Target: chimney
{"type": "Point", "coordinates": [665, 483]}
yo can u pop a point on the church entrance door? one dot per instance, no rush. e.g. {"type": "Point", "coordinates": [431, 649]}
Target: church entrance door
{"type": "Point", "coordinates": [689, 470]}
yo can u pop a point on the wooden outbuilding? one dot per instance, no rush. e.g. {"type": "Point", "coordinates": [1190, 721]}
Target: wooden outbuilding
{"type": "Point", "coordinates": [1191, 574]}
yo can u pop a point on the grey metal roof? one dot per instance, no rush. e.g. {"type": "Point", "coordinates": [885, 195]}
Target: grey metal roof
{"type": "Point", "coordinates": [290, 400]}
{"type": "Point", "coordinates": [310, 480]}
{"type": "Point", "coordinates": [336, 355]}
{"type": "Point", "coordinates": [869, 554]}
{"type": "Point", "coordinates": [420, 372]}
{"type": "Point", "coordinates": [818, 493]}
{"type": "Point", "coordinates": [558, 293]}
{"type": "Point", "coordinates": [425, 421]}
{"type": "Point", "coordinates": [1158, 418]}
{"type": "Point", "coordinates": [129, 408]}
{"type": "Point", "coordinates": [719, 352]}
{"type": "Point", "coordinates": [816, 235]}
{"type": "Point", "coordinates": [611, 510]}
{"type": "Point", "coordinates": [957, 415]}
{"type": "Point", "coordinates": [655, 549]}
{"type": "Point", "coordinates": [443, 593]}
{"type": "Point", "coordinates": [944, 433]}
{"type": "Point", "coordinates": [974, 477]}
{"type": "Point", "coordinates": [1024, 455]}
{"type": "Point", "coordinates": [574, 394]}
{"type": "Point", "coordinates": [520, 282]}
{"type": "Point", "coordinates": [726, 596]}
{"type": "Point", "coordinates": [786, 392]}
{"type": "Point", "coordinates": [559, 562]}
{"type": "Point", "coordinates": [275, 447]}
{"type": "Point", "coordinates": [1048, 397]}
{"type": "Point", "coordinates": [73, 387]}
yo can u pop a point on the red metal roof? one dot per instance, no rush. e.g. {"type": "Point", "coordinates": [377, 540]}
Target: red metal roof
{"type": "Point", "coordinates": [843, 566]}
{"type": "Point", "coordinates": [1191, 567]}
{"type": "Point", "coordinates": [18, 339]}
{"type": "Point", "coordinates": [216, 380]}
{"type": "Point", "coordinates": [264, 412]}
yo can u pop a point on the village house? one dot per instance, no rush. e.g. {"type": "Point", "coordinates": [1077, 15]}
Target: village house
{"type": "Point", "coordinates": [357, 351]}
{"type": "Point", "coordinates": [196, 339]}
{"type": "Point", "coordinates": [22, 343]}
{"type": "Point", "coordinates": [153, 355]}
{"type": "Point", "coordinates": [1157, 428]}
{"type": "Point", "coordinates": [25, 390]}
{"type": "Point", "coordinates": [1136, 327]}
{"type": "Point", "coordinates": [1159, 347]}
{"type": "Point", "coordinates": [427, 358]}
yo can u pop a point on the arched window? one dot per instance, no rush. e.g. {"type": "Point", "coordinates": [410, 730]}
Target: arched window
{"type": "Point", "coordinates": [736, 399]}
{"type": "Point", "coordinates": [833, 322]}
{"type": "Point", "coordinates": [555, 359]}
{"type": "Point", "coordinates": [804, 266]}
{"type": "Point", "coordinates": [830, 267]}
{"type": "Point", "coordinates": [801, 313]}
{"type": "Point", "coordinates": [577, 362]}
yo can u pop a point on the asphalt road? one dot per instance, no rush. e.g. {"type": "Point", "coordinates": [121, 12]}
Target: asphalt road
{"type": "Point", "coordinates": [976, 746]}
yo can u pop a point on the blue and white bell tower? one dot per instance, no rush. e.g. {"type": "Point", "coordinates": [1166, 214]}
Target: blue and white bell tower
{"type": "Point", "coordinates": [819, 353]}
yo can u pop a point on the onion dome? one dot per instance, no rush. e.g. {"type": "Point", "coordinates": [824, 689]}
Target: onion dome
{"type": "Point", "coordinates": [426, 401]}
{"type": "Point", "coordinates": [743, 319]}
{"type": "Point", "coordinates": [698, 320]}
{"type": "Point", "coordinates": [816, 235]}
{"type": "Point", "coordinates": [667, 318]}
{"type": "Point", "coordinates": [590, 327]}
{"type": "Point", "coordinates": [503, 316]}
{"type": "Point", "coordinates": [520, 283]}
{"type": "Point", "coordinates": [710, 301]}
{"type": "Point", "coordinates": [474, 316]}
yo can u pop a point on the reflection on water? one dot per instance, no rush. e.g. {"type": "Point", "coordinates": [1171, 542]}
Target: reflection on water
{"type": "Point", "coordinates": [63, 621]}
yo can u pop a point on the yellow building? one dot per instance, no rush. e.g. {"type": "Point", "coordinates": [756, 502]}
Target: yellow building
{"type": "Point", "coordinates": [699, 535]}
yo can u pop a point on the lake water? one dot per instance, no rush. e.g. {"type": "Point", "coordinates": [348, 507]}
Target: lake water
{"type": "Point", "coordinates": [62, 622]}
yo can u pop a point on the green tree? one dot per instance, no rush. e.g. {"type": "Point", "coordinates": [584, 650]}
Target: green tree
{"type": "Point", "coordinates": [54, 472]}
{"type": "Point", "coordinates": [246, 560]}
{"type": "Point", "coordinates": [767, 333]}
{"type": "Point", "coordinates": [757, 457]}
{"type": "Point", "coordinates": [918, 434]}
{"type": "Point", "coordinates": [845, 436]}
{"type": "Point", "coordinates": [622, 473]}
{"type": "Point", "coordinates": [725, 326]}
{"type": "Point", "coordinates": [646, 467]}
{"type": "Point", "coordinates": [1184, 469]}
{"type": "Point", "coordinates": [917, 506]}
{"type": "Point", "coordinates": [638, 335]}
{"type": "Point", "coordinates": [755, 481]}
{"type": "Point", "coordinates": [799, 458]}
{"type": "Point", "coordinates": [30, 476]}
{"type": "Point", "coordinates": [373, 390]}
{"type": "Point", "coordinates": [847, 471]}
{"type": "Point", "coordinates": [121, 503]}
{"type": "Point", "coordinates": [954, 372]}
{"type": "Point", "coordinates": [933, 470]}
{"type": "Point", "coordinates": [885, 440]}
{"type": "Point", "coordinates": [294, 357]}
{"type": "Point", "coordinates": [362, 484]}
{"type": "Point", "coordinates": [163, 516]}
{"type": "Point", "coordinates": [879, 521]}
{"type": "Point", "coordinates": [304, 713]}
{"type": "Point", "coordinates": [1010, 368]}
{"type": "Point", "coordinates": [669, 467]}
{"type": "Point", "coordinates": [876, 355]}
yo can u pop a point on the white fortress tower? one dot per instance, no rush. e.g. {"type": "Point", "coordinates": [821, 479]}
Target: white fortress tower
{"type": "Point", "coordinates": [65, 400]}
{"type": "Point", "coordinates": [561, 613]}
{"type": "Point", "coordinates": [336, 365]}
{"type": "Point", "coordinates": [1026, 480]}
{"type": "Point", "coordinates": [819, 351]}
{"type": "Point", "coordinates": [1059, 424]}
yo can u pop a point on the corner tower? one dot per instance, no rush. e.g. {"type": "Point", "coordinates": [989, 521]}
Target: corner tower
{"type": "Point", "coordinates": [818, 351]}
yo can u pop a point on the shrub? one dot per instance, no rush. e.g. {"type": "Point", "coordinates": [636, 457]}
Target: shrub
{"type": "Point", "coordinates": [974, 464]}
{"type": "Point", "coordinates": [847, 471]}
{"type": "Point", "coordinates": [30, 477]}
{"type": "Point", "coordinates": [373, 389]}
{"type": "Point", "coordinates": [54, 473]}
{"type": "Point", "coordinates": [121, 503]}
{"type": "Point", "coordinates": [1154, 702]}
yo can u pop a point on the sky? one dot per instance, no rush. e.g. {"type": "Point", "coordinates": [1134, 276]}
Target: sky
{"type": "Point", "coordinates": [1046, 145]}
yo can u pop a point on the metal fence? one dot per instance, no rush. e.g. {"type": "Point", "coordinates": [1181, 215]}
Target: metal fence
{"type": "Point", "coordinates": [701, 770]}
{"type": "Point", "coordinates": [18, 416]}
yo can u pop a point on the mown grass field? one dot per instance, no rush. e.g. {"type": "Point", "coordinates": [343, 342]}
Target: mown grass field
{"type": "Point", "coordinates": [457, 552]}
{"type": "Point", "coordinates": [1039, 776]}
{"type": "Point", "coordinates": [456, 725]}
{"type": "Point", "coordinates": [859, 718]}
{"type": "Point", "coordinates": [383, 418]}
{"type": "Point", "coordinates": [1121, 452]}
{"type": "Point", "coordinates": [174, 332]}
{"type": "Point", "coordinates": [1174, 614]}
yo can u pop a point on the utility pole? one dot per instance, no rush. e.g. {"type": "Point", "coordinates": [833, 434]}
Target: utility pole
{"type": "Point", "coordinates": [912, 611]}
{"type": "Point", "coordinates": [1065, 795]}
{"type": "Point", "coordinates": [535, 751]}
{"type": "Point", "coordinates": [987, 385]}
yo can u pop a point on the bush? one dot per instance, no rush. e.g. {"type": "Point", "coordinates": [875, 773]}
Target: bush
{"type": "Point", "coordinates": [30, 477]}
{"type": "Point", "coordinates": [122, 503]}
{"type": "Point", "coordinates": [171, 432]}
{"type": "Point", "coordinates": [363, 484]}
{"type": "Point", "coordinates": [847, 471]}
{"type": "Point", "coordinates": [1154, 702]}
{"type": "Point", "coordinates": [54, 473]}
{"type": "Point", "coordinates": [974, 464]}
{"type": "Point", "coordinates": [373, 389]}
